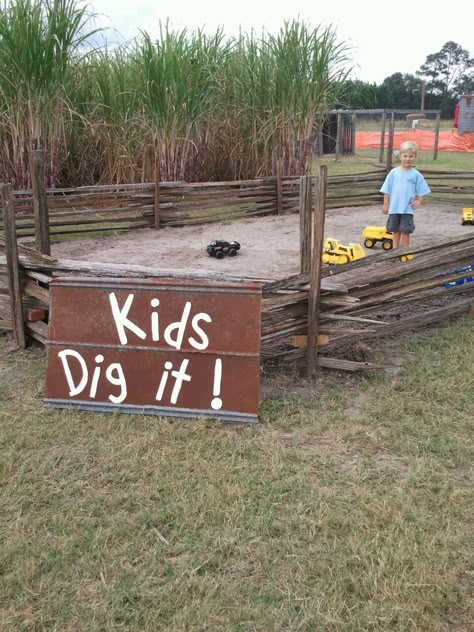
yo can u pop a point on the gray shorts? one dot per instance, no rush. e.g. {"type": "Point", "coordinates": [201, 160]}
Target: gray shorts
{"type": "Point", "coordinates": [401, 223]}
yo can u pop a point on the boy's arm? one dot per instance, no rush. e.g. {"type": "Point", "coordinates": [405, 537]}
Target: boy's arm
{"type": "Point", "coordinates": [418, 202]}
{"type": "Point", "coordinates": [386, 200]}
{"type": "Point", "coordinates": [422, 190]}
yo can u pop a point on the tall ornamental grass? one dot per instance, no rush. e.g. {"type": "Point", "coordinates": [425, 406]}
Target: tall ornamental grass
{"type": "Point", "coordinates": [41, 44]}
{"type": "Point", "coordinates": [200, 107]}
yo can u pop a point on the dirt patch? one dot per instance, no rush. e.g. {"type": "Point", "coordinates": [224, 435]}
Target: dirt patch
{"type": "Point", "coordinates": [270, 245]}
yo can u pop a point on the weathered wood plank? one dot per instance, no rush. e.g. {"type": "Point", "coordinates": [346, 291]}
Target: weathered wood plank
{"type": "Point", "coordinates": [38, 330]}
{"type": "Point", "coordinates": [114, 270]}
{"type": "Point", "coordinates": [315, 273]}
{"type": "Point", "coordinates": [306, 216]}
{"type": "Point", "coordinates": [13, 267]}
{"type": "Point", "coordinates": [348, 365]}
{"type": "Point", "coordinates": [40, 204]}
{"type": "Point", "coordinates": [33, 289]}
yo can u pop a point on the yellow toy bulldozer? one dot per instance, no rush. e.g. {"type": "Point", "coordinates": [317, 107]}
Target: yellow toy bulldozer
{"type": "Point", "coordinates": [467, 216]}
{"type": "Point", "coordinates": [373, 234]}
{"type": "Point", "coordinates": [335, 252]}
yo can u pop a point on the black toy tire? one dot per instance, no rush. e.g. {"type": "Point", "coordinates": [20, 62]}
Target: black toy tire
{"type": "Point", "coordinates": [219, 255]}
{"type": "Point", "coordinates": [232, 252]}
{"type": "Point", "coordinates": [387, 244]}
{"type": "Point", "coordinates": [369, 243]}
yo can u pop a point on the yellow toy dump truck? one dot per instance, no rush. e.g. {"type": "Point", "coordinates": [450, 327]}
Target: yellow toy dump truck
{"type": "Point", "coordinates": [373, 234]}
{"type": "Point", "coordinates": [467, 216]}
{"type": "Point", "coordinates": [336, 252]}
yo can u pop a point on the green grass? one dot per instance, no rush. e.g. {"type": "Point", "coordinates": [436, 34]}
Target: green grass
{"type": "Point", "coordinates": [365, 160]}
{"type": "Point", "coordinates": [370, 123]}
{"type": "Point", "coordinates": [349, 507]}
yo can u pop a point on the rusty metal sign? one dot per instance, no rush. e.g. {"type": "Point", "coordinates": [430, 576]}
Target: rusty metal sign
{"type": "Point", "coordinates": [160, 347]}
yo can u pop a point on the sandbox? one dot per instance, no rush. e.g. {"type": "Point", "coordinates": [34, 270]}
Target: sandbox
{"type": "Point", "coordinates": [270, 244]}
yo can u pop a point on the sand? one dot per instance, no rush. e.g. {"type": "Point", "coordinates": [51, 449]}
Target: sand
{"type": "Point", "coordinates": [269, 245]}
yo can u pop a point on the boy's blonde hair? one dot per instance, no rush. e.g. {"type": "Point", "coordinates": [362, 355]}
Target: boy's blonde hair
{"type": "Point", "coordinates": [409, 145]}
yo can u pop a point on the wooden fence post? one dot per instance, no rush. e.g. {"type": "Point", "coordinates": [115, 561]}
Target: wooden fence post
{"type": "Point", "coordinates": [320, 143]}
{"type": "Point", "coordinates": [382, 137]}
{"type": "Point", "coordinates": [277, 172]}
{"type": "Point", "coordinates": [391, 131]}
{"type": "Point", "coordinates": [306, 216]}
{"type": "Point", "coordinates": [338, 136]}
{"type": "Point", "coordinates": [157, 194]}
{"type": "Point", "coordinates": [436, 138]}
{"type": "Point", "coordinates": [279, 186]}
{"type": "Point", "coordinates": [40, 203]}
{"type": "Point", "coordinates": [353, 133]}
{"type": "Point", "coordinates": [13, 265]}
{"type": "Point", "coordinates": [316, 267]}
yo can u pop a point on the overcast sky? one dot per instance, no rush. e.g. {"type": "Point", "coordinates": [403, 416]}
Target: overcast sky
{"type": "Point", "coordinates": [386, 37]}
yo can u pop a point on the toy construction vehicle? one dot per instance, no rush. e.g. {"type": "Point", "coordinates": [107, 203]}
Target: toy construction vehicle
{"type": "Point", "coordinates": [219, 248]}
{"type": "Point", "coordinates": [336, 253]}
{"type": "Point", "coordinates": [373, 234]}
{"type": "Point", "coordinates": [467, 216]}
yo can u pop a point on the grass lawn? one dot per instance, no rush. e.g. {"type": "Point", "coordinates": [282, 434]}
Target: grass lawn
{"type": "Point", "coordinates": [365, 160]}
{"type": "Point", "coordinates": [349, 507]}
{"type": "Point", "coordinates": [368, 123]}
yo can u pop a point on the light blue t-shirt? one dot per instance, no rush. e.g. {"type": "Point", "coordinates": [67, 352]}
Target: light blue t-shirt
{"type": "Point", "coordinates": [404, 187]}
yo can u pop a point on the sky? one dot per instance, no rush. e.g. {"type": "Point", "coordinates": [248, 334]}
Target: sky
{"type": "Point", "coordinates": [384, 37]}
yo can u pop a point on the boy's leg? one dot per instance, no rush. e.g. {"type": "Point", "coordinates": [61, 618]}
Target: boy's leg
{"type": "Point", "coordinates": [407, 226]}
{"type": "Point", "coordinates": [393, 226]}
{"type": "Point", "coordinates": [405, 237]}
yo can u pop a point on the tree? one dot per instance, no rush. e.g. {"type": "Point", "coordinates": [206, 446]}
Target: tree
{"type": "Point", "coordinates": [450, 72]}
{"type": "Point", "coordinates": [359, 94]}
{"type": "Point", "coordinates": [402, 91]}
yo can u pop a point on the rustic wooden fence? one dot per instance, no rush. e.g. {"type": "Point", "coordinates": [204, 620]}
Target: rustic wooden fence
{"type": "Point", "coordinates": [110, 209]}
{"type": "Point", "coordinates": [373, 297]}
{"type": "Point", "coordinates": [321, 314]}
{"type": "Point", "coordinates": [113, 208]}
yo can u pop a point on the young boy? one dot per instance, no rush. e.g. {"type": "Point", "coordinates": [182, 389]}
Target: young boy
{"type": "Point", "coordinates": [404, 190]}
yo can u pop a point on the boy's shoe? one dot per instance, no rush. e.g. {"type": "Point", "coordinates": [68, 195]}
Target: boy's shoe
{"type": "Point", "coordinates": [407, 257]}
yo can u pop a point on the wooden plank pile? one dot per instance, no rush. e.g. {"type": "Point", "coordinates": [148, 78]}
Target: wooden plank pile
{"type": "Point", "coordinates": [34, 292]}
{"type": "Point", "coordinates": [373, 297]}
{"type": "Point", "coordinates": [38, 271]}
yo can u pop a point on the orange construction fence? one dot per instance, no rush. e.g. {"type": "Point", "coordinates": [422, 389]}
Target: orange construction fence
{"type": "Point", "coordinates": [448, 140]}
